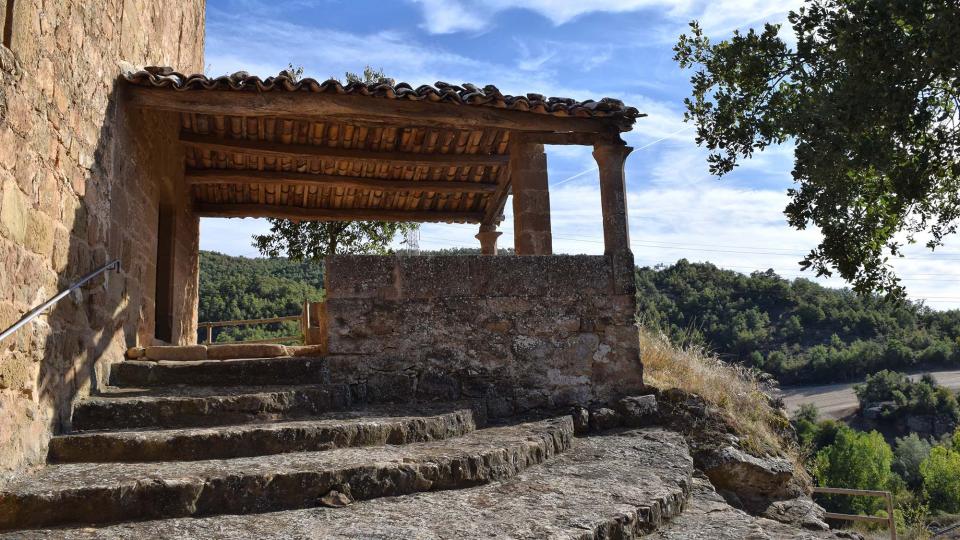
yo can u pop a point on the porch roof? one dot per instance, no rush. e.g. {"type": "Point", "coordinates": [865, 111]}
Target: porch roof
{"type": "Point", "coordinates": [302, 149]}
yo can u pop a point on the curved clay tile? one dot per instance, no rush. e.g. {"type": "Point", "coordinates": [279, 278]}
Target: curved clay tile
{"type": "Point", "coordinates": [466, 94]}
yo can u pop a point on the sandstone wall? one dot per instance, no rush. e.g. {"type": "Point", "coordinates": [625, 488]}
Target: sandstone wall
{"type": "Point", "coordinates": [81, 180]}
{"type": "Point", "coordinates": [521, 332]}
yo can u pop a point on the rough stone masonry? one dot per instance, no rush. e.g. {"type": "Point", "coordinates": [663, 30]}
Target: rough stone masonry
{"type": "Point", "coordinates": [520, 332]}
{"type": "Point", "coordinates": [82, 181]}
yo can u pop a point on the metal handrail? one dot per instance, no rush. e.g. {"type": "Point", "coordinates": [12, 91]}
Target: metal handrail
{"type": "Point", "coordinates": [114, 264]}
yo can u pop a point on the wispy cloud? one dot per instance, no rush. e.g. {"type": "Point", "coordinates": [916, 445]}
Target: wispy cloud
{"type": "Point", "coordinates": [448, 16]}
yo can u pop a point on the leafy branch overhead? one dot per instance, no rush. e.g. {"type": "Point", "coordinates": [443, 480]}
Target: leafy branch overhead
{"type": "Point", "coordinates": [869, 96]}
{"type": "Point", "coordinates": [305, 240]}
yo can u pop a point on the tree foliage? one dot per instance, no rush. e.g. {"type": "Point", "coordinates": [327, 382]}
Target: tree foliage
{"type": "Point", "coordinates": [306, 240]}
{"type": "Point", "coordinates": [941, 479]}
{"type": "Point", "coordinates": [924, 396]}
{"type": "Point", "coordinates": [869, 96]}
{"type": "Point", "coordinates": [855, 460]}
{"type": "Point", "coordinates": [234, 288]}
{"type": "Point", "coordinates": [908, 454]}
{"type": "Point", "coordinates": [796, 330]}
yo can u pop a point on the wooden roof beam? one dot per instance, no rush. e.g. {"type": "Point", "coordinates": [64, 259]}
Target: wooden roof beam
{"type": "Point", "coordinates": [324, 214]}
{"type": "Point", "coordinates": [310, 151]}
{"type": "Point", "coordinates": [362, 108]}
{"type": "Point", "coordinates": [246, 177]}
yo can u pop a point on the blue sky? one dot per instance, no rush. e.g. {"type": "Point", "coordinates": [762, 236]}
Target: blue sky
{"type": "Point", "coordinates": [570, 48]}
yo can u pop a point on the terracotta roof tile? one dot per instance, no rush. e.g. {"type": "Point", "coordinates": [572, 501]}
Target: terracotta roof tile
{"type": "Point", "coordinates": [466, 94]}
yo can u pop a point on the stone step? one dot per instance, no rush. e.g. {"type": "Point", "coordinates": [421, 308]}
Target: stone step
{"type": "Point", "coordinates": [370, 427]}
{"type": "Point", "coordinates": [620, 485]}
{"type": "Point", "coordinates": [247, 371]}
{"type": "Point", "coordinates": [181, 407]}
{"type": "Point", "coordinates": [88, 493]}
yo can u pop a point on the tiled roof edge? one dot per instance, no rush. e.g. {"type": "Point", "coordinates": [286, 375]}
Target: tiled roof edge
{"type": "Point", "coordinates": [440, 92]}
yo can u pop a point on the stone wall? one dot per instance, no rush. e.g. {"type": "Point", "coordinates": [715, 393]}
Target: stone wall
{"type": "Point", "coordinates": [81, 180]}
{"type": "Point", "coordinates": [522, 332]}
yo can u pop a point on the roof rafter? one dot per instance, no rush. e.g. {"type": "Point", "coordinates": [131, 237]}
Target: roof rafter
{"type": "Point", "coordinates": [241, 176]}
{"type": "Point", "coordinates": [299, 213]}
{"type": "Point", "coordinates": [307, 151]}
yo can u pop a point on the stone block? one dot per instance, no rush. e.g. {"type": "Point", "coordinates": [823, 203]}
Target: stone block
{"type": "Point", "coordinates": [14, 210]}
{"type": "Point", "coordinates": [390, 387]}
{"type": "Point", "coordinates": [230, 351]}
{"type": "Point", "coordinates": [638, 411]}
{"type": "Point", "coordinates": [177, 353]}
{"type": "Point", "coordinates": [603, 419]}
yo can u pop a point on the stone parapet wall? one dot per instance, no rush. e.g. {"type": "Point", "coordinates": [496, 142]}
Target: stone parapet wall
{"type": "Point", "coordinates": [522, 332]}
{"type": "Point", "coordinates": [81, 179]}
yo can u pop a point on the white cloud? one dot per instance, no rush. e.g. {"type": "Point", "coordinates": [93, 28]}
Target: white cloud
{"type": "Point", "coordinates": [449, 16]}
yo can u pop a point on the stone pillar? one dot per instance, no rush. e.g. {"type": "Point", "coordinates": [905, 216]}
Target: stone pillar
{"type": "Point", "coordinates": [531, 200]}
{"type": "Point", "coordinates": [488, 239]}
{"type": "Point", "coordinates": [613, 196]}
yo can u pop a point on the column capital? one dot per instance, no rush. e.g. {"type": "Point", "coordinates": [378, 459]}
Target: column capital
{"type": "Point", "coordinates": [488, 236]}
{"type": "Point", "coordinates": [611, 151]}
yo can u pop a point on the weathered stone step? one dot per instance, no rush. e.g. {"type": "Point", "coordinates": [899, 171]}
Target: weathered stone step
{"type": "Point", "coordinates": [110, 492]}
{"type": "Point", "coordinates": [611, 486]}
{"type": "Point", "coordinates": [180, 407]}
{"type": "Point", "coordinates": [376, 426]}
{"type": "Point", "coordinates": [247, 371]}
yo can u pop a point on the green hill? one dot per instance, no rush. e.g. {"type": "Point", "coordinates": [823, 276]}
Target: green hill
{"type": "Point", "coordinates": [796, 330]}
{"type": "Point", "coordinates": [244, 288]}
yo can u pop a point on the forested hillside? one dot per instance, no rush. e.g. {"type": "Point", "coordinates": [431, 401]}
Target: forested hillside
{"type": "Point", "coordinates": [797, 330]}
{"type": "Point", "coordinates": [244, 288]}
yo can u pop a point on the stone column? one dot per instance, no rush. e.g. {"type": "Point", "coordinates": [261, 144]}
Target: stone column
{"type": "Point", "coordinates": [488, 239]}
{"type": "Point", "coordinates": [531, 200]}
{"type": "Point", "coordinates": [613, 196]}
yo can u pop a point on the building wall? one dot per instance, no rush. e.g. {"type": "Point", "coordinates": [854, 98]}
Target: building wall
{"type": "Point", "coordinates": [81, 179]}
{"type": "Point", "coordinates": [522, 332]}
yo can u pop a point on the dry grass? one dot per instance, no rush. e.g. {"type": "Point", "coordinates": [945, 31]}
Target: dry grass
{"type": "Point", "coordinates": [735, 391]}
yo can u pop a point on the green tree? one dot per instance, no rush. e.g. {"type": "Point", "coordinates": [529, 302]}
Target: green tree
{"type": "Point", "coordinates": [855, 460]}
{"type": "Point", "coordinates": [305, 240]}
{"type": "Point", "coordinates": [908, 453]}
{"type": "Point", "coordinates": [869, 96]}
{"type": "Point", "coordinates": [941, 479]}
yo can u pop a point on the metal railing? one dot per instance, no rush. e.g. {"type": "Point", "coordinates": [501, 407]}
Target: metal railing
{"type": "Point", "coordinates": [886, 495]}
{"type": "Point", "coordinates": [33, 313]}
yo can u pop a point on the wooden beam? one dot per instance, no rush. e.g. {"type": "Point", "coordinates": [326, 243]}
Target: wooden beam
{"type": "Point", "coordinates": [498, 201]}
{"type": "Point", "coordinates": [308, 151]}
{"type": "Point", "coordinates": [240, 176]}
{"type": "Point", "coordinates": [568, 138]}
{"type": "Point", "coordinates": [300, 213]}
{"type": "Point", "coordinates": [311, 105]}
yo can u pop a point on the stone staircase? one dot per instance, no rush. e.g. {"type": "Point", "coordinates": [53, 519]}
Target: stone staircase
{"type": "Point", "coordinates": [269, 448]}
